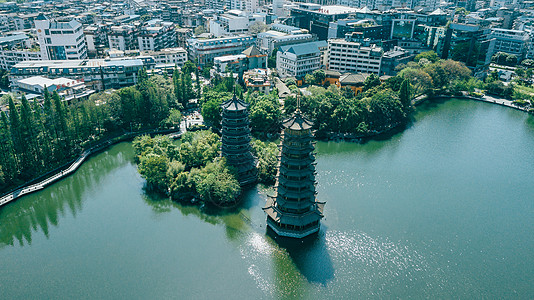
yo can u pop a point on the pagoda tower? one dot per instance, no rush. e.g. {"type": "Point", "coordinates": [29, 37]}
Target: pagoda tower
{"type": "Point", "coordinates": [294, 211]}
{"type": "Point", "coordinates": [236, 140]}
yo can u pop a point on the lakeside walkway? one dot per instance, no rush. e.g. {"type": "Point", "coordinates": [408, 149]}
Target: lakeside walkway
{"type": "Point", "coordinates": [25, 190]}
{"type": "Point", "coordinates": [489, 99]}
{"type": "Point", "coordinates": [41, 185]}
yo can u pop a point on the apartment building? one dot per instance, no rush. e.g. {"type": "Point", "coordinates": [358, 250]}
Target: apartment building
{"type": "Point", "coordinates": [15, 48]}
{"type": "Point", "coordinates": [300, 59]}
{"type": "Point", "coordinates": [345, 56]}
{"type": "Point", "coordinates": [510, 41]}
{"type": "Point", "coordinates": [123, 37]}
{"type": "Point", "coordinates": [169, 56]}
{"type": "Point", "coordinates": [203, 51]}
{"type": "Point", "coordinates": [98, 74]}
{"type": "Point", "coordinates": [233, 22]}
{"type": "Point", "coordinates": [67, 89]}
{"type": "Point", "coordinates": [157, 35]}
{"type": "Point", "coordinates": [60, 39]}
{"type": "Point", "coordinates": [282, 35]}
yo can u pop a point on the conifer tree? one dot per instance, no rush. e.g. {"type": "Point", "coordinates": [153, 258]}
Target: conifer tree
{"type": "Point", "coordinates": [405, 94]}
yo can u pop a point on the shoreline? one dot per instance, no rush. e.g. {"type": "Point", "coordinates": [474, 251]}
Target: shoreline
{"type": "Point", "coordinates": [336, 137]}
{"type": "Point", "coordinates": [71, 167]}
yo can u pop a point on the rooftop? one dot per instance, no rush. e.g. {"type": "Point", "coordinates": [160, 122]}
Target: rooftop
{"type": "Point", "coordinates": [304, 48]}
{"type": "Point", "coordinates": [80, 63]}
{"type": "Point", "coordinates": [234, 104]}
{"type": "Point", "coordinates": [297, 122]}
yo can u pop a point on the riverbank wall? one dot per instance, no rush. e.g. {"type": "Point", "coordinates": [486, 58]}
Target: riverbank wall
{"type": "Point", "coordinates": [70, 167]}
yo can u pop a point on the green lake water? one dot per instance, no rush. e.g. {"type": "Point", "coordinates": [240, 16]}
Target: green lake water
{"type": "Point", "coordinates": [443, 209]}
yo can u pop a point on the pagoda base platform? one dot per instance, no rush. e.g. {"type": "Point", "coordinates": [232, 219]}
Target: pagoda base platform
{"type": "Point", "coordinates": [297, 234]}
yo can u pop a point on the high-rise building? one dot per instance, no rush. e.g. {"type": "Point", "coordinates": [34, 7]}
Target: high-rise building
{"type": "Point", "coordinates": [345, 56]}
{"type": "Point", "coordinates": [60, 39]}
{"type": "Point", "coordinates": [294, 211]}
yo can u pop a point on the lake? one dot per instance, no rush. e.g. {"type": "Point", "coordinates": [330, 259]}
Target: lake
{"type": "Point", "coordinates": [441, 209]}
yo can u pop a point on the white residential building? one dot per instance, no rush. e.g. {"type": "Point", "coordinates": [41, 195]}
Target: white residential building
{"type": "Point", "coordinates": [157, 35]}
{"type": "Point", "coordinates": [510, 41]}
{"type": "Point", "coordinates": [169, 56]}
{"type": "Point", "coordinates": [345, 56]}
{"type": "Point", "coordinates": [97, 74]}
{"type": "Point", "coordinates": [68, 89]}
{"type": "Point", "coordinates": [203, 51]}
{"type": "Point", "coordinates": [300, 59]}
{"type": "Point", "coordinates": [282, 35]}
{"type": "Point", "coordinates": [123, 38]}
{"type": "Point", "coordinates": [60, 39]}
{"type": "Point", "coordinates": [16, 48]}
{"type": "Point", "coordinates": [233, 22]}
{"type": "Point", "coordinates": [252, 5]}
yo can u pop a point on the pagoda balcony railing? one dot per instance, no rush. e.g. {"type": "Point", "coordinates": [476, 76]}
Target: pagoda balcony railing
{"type": "Point", "coordinates": [300, 149]}
{"type": "Point", "coordinates": [295, 195]}
{"type": "Point", "coordinates": [234, 133]}
{"type": "Point", "coordinates": [236, 150]}
{"type": "Point", "coordinates": [296, 183]}
{"type": "Point", "coordinates": [235, 123]}
{"type": "Point", "coordinates": [297, 178]}
{"type": "Point", "coordinates": [236, 142]}
{"type": "Point", "coordinates": [297, 156]}
{"type": "Point", "coordinates": [235, 137]}
{"type": "Point", "coordinates": [288, 162]}
{"type": "Point", "coordinates": [232, 129]}
{"type": "Point", "coordinates": [294, 171]}
{"type": "Point", "coordinates": [231, 117]}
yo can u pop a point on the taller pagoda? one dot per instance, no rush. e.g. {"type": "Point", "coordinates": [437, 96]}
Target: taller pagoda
{"type": "Point", "coordinates": [294, 211]}
{"type": "Point", "coordinates": [236, 140]}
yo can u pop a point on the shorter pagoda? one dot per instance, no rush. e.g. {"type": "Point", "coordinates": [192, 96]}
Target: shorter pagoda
{"type": "Point", "coordinates": [236, 140]}
{"type": "Point", "coordinates": [294, 211]}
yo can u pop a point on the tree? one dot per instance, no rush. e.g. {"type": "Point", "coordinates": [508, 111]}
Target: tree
{"type": "Point", "coordinates": [438, 75]}
{"type": "Point", "coordinates": [429, 55]}
{"type": "Point", "coordinates": [153, 168]}
{"type": "Point", "coordinates": [217, 184]}
{"type": "Point", "coordinates": [520, 72]}
{"type": "Point", "coordinates": [308, 78]}
{"type": "Point", "coordinates": [4, 79]}
{"type": "Point", "coordinates": [384, 109]}
{"type": "Point", "coordinates": [319, 76]}
{"type": "Point", "coordinates": [370, 82]}
{"type": "Point", "coordinates": [466, 52]}
{"type": "Point", "coordinates": [257, 27]}
{"type": "Point", "coordinates": [211, 112]}
{"type": "Point", "coordinates": [421, 81]}
{"type": "Point", "coordinates": [393, 83]}
{"type": "Point", "coordinates": [529, 63]}
{"type": "Point", "coordinates": [271, 61]}
{"type": "Point", "coordinates": [264, 115]}
{"type": "Point", "coordinates": [199, 87]}
{"type": "Point", "coordinates": [405, 94]}
{"type": "Point", "coordinates": [267, 153]}
{"type": "Point", "coordinates": [200, 30]}
{"type": "Point", "coordinates": [189, 67]}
